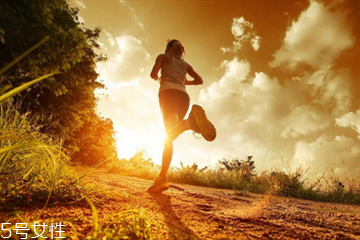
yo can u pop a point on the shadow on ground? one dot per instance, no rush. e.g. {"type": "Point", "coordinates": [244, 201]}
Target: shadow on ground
{"type": "Point", "coordinates": [177, 229]}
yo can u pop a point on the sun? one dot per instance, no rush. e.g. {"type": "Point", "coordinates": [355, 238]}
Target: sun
{"type": "Point", "coordinates": [131, 140]}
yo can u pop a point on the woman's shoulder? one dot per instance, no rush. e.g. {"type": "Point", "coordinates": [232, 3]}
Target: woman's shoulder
{"type": "Point", "coordinates": [166, 57]}
{"type": "Point", "coordinates": [187, 65]}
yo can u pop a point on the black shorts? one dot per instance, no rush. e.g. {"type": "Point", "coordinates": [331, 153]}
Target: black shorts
{"type": "Point", "coordinates": [173, 102]}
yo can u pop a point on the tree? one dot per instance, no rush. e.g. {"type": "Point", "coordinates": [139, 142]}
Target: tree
{"type": "Point", "coordinates": [25, 23]}
{"type": "Point", "coordinates": [65, 104]}
{"type": "Point", "coordinates": [96, 141]}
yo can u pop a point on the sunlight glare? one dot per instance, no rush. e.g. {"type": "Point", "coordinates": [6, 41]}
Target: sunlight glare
{"type": "Point", "coordinates": [129, 141]}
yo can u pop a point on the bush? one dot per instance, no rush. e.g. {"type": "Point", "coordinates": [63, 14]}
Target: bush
{"type": "Point", "coordinates": [138, 165]}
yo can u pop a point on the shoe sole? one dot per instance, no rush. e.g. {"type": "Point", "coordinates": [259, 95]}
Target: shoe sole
{"type": "Point", "coordinates": [207, 129]}
{"type": "Point", "coordinates": [193, 124]}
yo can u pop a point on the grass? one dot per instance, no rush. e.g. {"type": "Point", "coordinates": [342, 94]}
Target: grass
{"type": "Point", "coordinates": [31, 164]}
{"type": "Point", "coordinates": [241, 176]}
{"type": "Point", "coordinates": [129, 224]}
{"type": "Point", "coordinates": [33, 167]}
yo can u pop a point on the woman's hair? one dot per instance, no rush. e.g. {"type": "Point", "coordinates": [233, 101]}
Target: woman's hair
{"type": "Point", "coordinates": [176, 46]}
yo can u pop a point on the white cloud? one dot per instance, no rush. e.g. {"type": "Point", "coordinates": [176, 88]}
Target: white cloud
{"type": "Point", "coordinates": [315, 39]}
{"type": "Point", "coordinates": [250, 112]}
{"type": "Point", "coordinates": [242, 31]}
{"type": "Point", "coordinates": [228, 87]}
{"type": "Point", "coordinates": [305, 120]}
{"type": "Point", "coordinates": [81, 4]}
{"type": "Point", "coordinates": [239, 25]}
{"type": "Point", "coordinates": [127, 59]}
{"type": "Point", "coordinates": [255, 42]}
{"type": "Point", "coordinates": [351, 120]}
{"type": "Point", "coordinates": [256, 115]}
{"type": "Point", "coordinates": [342, 154]}
{"type": "Point", "coordinates": [110, 38]}
{"type": "Point", "coordinates": [331, 89]}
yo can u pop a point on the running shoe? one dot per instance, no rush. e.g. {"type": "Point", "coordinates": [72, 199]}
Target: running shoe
{"type": "Point", "coordinates": [161, 184]}
{"type": "Point", "coordinates": [206, 128]}
{"type": "Point", "coordinates": [192, 123]}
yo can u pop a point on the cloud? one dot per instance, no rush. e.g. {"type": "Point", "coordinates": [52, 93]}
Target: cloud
{"type": "Point", "coordinates": [242, 31]}
{"type": "Point", "coordinates": [256, 115]}
{"type": "Point", "coordinates": [304, 120]}
{"type": "Point", "coordinates": [331, 89]}
{"type": "Point", "coordinates": [81, 4]}
{"type": "Point", "coordinates": [255, 42]}
{"type": "Point", "coordinates": [351, 120]}
{"type": "Point", "coordinates": [123, 76]}
{"type": "Point", "coordinates": [238, 27]}
{"type": "Point", "coordinates": [127, 59]}
{"type": "Point", "coordinates": [220, 94]}
{"type": "Point", "coordinates": [315, 39]}
{"type": "Point", "coordinates": [110, 38]}
{"type": "Point", "coordinates": [250, 113]}
{"type": "Point", "coordinates": [341, 153]}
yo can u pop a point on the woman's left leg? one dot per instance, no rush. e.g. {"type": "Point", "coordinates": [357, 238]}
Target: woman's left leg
{"type": "Point", "coordinates": [175, 125]}
{"type": "Point", "coordinates": [174, 106]}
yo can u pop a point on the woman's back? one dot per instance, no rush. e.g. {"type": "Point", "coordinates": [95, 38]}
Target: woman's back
{"type": "Point", "coordinates": [174, 71]}
{"type": "Point", "coordinates": [173, 74]}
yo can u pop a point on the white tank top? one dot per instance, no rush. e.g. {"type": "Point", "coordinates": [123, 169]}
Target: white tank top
{"type": "Point", "coordinates": [173, 75]}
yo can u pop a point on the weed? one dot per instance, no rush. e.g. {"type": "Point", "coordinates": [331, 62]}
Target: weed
{"type": "Point", "coordinates": [241, 176]}
{"type": "Point", "coordinates": [130, 224]}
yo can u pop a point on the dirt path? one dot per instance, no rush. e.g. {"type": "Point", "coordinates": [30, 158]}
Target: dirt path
{"type": "Point", "coordinates": [189, 212]}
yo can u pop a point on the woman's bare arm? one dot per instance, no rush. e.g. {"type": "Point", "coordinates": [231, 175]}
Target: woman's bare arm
{"type": "Point", "coordinates": [197, 78]}
{"type": "Point", "coordinates": [157, 66]}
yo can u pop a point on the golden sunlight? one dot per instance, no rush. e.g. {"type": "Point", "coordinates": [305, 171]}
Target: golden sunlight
{"type": "Point", "coordinates": [129, 141]}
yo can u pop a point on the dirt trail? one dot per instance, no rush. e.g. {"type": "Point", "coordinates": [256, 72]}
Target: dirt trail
{"type": "Point", "coordinates": [190, 212]}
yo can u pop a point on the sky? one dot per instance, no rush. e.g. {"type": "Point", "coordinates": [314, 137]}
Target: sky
{"type": "Point", "coordinates": [281, 79]}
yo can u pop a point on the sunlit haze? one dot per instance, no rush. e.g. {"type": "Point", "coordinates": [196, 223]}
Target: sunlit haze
{"type": "Point", "coordinates": [281, 78]}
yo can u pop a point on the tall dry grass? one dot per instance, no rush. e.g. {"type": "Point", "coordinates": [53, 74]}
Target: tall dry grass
{"type": "Point", "coordinates": [241, 176]}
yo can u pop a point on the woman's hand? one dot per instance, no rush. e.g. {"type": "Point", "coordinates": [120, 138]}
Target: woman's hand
{"type": "Point", "coordinates": [193, 82]}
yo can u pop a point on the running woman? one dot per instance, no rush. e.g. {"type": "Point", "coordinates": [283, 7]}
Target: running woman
{"type": "Point", "coordinates": [174, 104]}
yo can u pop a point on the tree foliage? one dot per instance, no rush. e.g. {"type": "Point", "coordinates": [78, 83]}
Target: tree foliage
{"type": "Point", "coordinates": [65, 104]}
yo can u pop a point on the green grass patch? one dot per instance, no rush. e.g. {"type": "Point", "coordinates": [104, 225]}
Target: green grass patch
{"type": "Point", "coordinates": [33, 167]}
